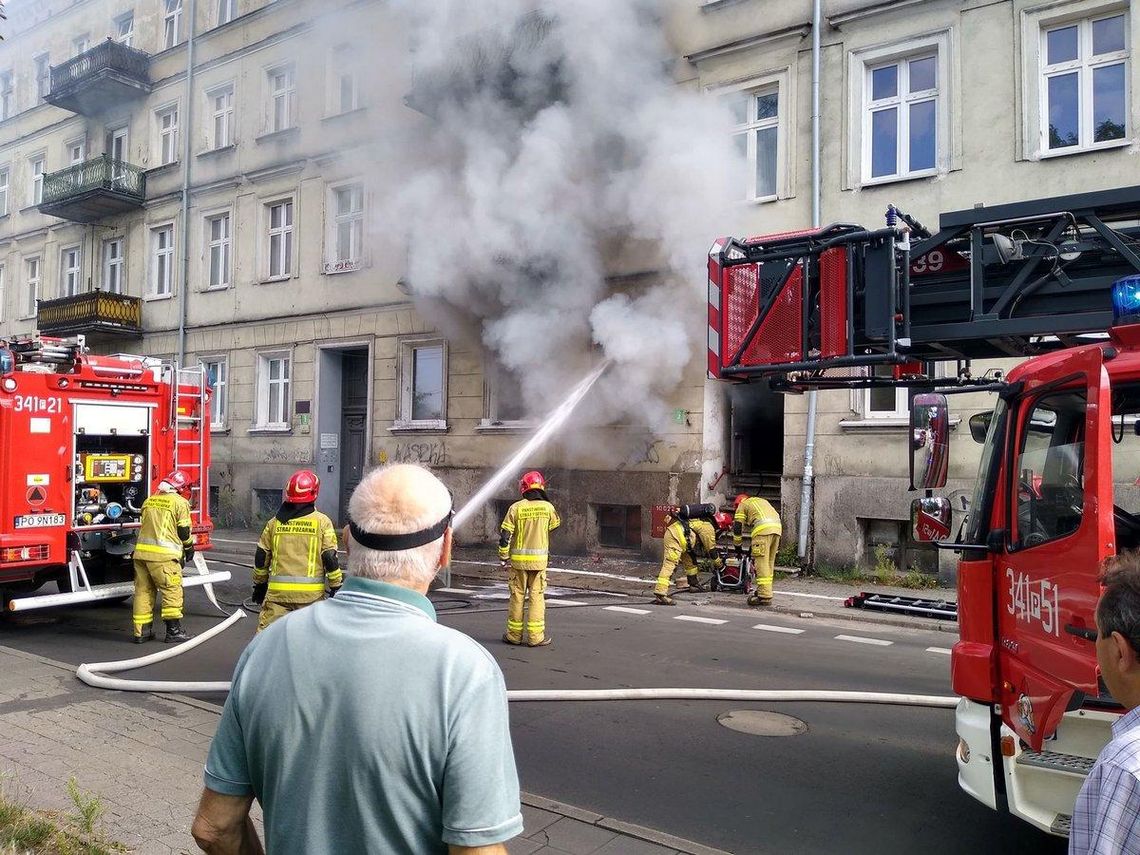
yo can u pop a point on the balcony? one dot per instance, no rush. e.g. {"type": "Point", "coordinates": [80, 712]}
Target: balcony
{"type": "Point", "coordinates": [93, 313]}
{"type": "Point", "coordinates": [93, 190]}
{"type": "Point", "coordinates": [100, 78]}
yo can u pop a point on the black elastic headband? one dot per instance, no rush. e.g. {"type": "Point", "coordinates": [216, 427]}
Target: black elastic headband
{"type": "Point", "coordinates": [399, 542]}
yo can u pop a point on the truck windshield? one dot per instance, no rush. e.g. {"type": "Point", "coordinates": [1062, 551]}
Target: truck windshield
{"type": "Point", "coordinates": [977, 523]}
{"type": "Point", "coordinates": [1126, 465]}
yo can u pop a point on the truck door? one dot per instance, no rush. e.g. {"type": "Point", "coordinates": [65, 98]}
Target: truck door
{"type": "Point", "coordinates": [1061, 529]}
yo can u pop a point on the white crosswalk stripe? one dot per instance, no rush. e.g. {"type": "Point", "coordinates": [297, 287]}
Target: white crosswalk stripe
{"type": "Point", "coordinates": [566, 603]}
{"type": "Point", "coordinates": [785, 629]}
{"type": "Point", "coordinates": [695, 619]}
{"type": "Point", "coordinates": [858, 639]}
{"type": "Point", "coordinates": [627, 610]}
{"type": "Point", "coordinates": [452, 591]}
{"type": "Point", "coordinates": [945, 650]}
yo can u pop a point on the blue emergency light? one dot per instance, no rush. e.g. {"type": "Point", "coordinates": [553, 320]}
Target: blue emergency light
{"type": "Point", "coordinates": [1126, 300]}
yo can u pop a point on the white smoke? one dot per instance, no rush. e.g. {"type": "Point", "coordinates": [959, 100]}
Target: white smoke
{"type": "Point", "coordinates": [559, 151]}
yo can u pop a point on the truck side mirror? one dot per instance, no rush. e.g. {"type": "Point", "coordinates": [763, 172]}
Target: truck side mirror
{"type": "Point", "coordinates": [930, 519]}
{"type": "Point", "coordinates": [929, 442]}
{"type": "Point", "coordinates": [980, 426]}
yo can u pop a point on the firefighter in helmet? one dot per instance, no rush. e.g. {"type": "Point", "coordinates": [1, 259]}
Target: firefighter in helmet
{"type": "Point", "coordinates": [296, 554]}
{"type": "Point", "coordinates": [759, 518]}
{"type": "Point", "coordinates": [524, 549]}
{"type": "Point", "coordinates": [163, 547]}
{"type": "Point", "coordinates": [690, 542]}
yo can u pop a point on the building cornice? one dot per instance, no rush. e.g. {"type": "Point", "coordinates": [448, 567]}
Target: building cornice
{"type": "Point", "coordinates": [870, 11]}
{"type": "Point", "coordinates": [749, 42]}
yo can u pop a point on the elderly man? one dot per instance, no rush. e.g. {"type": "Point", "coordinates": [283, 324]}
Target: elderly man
{"type": "Point", "coordinates": [360, 724]}
{"type": "Point", "coordinates": [1107, 815]}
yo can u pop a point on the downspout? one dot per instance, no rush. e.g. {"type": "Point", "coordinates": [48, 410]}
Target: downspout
{"type": "Point", "coordinates": [816, 202]}
{"type": "Point", "coordinates": [186, 126]}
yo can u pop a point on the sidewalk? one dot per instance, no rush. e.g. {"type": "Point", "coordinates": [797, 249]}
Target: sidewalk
{"type": "Point", "coordinates": [141, 755]}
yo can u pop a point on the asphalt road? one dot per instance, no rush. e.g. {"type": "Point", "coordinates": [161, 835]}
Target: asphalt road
{"type": "Point", "coordinates": [859, 779]}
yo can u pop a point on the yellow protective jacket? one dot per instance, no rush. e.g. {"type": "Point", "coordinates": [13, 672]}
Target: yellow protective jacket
{"type": "Point", "coordinates": [757, 517]}
{"type": "Point", "coordinates": [292, 556]}
{"type": "Point", "coordinates": [165, 530]}
{"type": "Point", "coordinates": [524, 536]}
{"type": "Point", "coordinates": [700, 544]}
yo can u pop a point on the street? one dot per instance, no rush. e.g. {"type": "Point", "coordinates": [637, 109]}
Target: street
{"type": "Point", "coordinates": [859, 779]}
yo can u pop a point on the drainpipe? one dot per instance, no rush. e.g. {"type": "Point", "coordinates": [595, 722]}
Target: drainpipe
{"type": "Point", "coordinates": [186, 122]}
{"type": "Point", "coordinates": [816, 201]}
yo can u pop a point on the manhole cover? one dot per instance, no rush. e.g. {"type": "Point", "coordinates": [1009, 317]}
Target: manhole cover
{"type": "Point", "coordinates": [762, 723]}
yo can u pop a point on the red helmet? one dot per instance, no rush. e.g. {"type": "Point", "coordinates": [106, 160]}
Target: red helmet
{"type": "Point", "coordinates": [740, 497]}
{"type": "Point", "coordinates": [179, 480]}
{"type": "Point", "coordinates": [303, 488]}
{"type": "Point", "coordinates": [532, 480]}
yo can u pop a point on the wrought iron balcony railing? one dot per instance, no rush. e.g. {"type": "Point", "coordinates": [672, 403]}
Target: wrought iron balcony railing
{"type": "Point", "coordinates": [100, 78]}
{"type": "Point", "coordinates": [93, 312]}
{"type": "Point", "coordinates": [94, 189]}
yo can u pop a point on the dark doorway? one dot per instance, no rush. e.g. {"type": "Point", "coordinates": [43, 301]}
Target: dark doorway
{"type": "Point", "coordinates": [757, 440]}
{"type": "Point", "coordinates": [353, 423]}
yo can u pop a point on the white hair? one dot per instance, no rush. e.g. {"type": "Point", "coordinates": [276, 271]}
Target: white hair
{"type": "Point", "coordinates": [398, 499]}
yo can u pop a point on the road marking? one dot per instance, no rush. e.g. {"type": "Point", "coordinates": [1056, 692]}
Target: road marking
{"type": "Point", "coordinates": [812, 596]}
{"type": "Point", "coordinates": [945, 650]}
{"type": "Point", "coordinates": [696, 619]}
{"type": "Point", "coordinates": [452, 591]}
{"type": "Point", "coordinates": [566, 603]}
{"type": "Point", "coordinates": [769, 628]}
{"type": "Point", "coordinates": [627, 610]}
{"type": "Point", "coordinates": [858, 639]}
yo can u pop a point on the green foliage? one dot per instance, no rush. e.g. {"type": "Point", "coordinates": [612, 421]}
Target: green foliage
{"type": "Point", "coordinates": [24, 831]}
{"type": "Point", "coordinates": [88, 807]}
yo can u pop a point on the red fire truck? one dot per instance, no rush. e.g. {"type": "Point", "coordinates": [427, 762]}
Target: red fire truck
{"type": "Point", "coordinates": [84, 440]}
{"type": "Point", "coordinates": [1058, 490]}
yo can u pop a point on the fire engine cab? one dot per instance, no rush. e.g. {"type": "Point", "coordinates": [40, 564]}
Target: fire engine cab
{"type": "Point", "coordinates": [1055, 282]}
{"type": "Point", "coordinates": [84, 440]}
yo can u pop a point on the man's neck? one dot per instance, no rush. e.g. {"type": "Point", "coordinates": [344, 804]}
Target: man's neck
{"type": "Point", "coordinates": [419, 588]}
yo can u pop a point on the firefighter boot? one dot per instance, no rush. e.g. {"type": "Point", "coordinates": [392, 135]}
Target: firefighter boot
{"type": "Point", "coordinates": [175, 632]}
{"type": "Point", "coordinates": [756, 600]}
{"type": "Point", "coordinates": [146, 633]}
{"type": "Point", "coordinates": [663, 600]}
{"type": "Point", "coordinates": [695, 583]}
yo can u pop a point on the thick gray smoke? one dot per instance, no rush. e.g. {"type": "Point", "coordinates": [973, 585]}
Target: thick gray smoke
{"type": "Point", "coordinates": [564, 191]}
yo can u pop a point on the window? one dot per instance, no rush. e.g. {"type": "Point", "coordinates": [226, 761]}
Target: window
{"type": "Point", "coordinates": [343, 77]}
{"type": "Point", "coordinates": [217, 375]}
{"type": "Point", "coordinates": [218, 240]}
{"type": "Point", "coordinates": [280, 244]}
{"type": "Point", "coordinates": [346, 238]}
{"type": "Point", "coordinates": [125, 29]}
{"type": "Point", "coordinates": [167, 126]}
{"type": "Point", "coordinates": [619, 526]}
{"type": "Point", "coordinates": [7, 96]}
{"type": "Point", "coordinates": [423, 384]}
{"type": "Point", "coordinates": [227, 11]}
{"type": "Point", "coordinates": [1084, 68]}
{"type": "Point", "coordinates": [756, 117]}
{"type": "Point", "coordinates": [70, 265]}
{"type": "Point", "coordinates": [503, 397]}
{"type": "Point", "coordinates": [162, 261]}
{"type": "Point", "coordinates": [2, 283]}
{"type": "Point", "coordinates": [43, 76]}
{"type": "Point", "coordinates": [33, 267]}
{"type": "Point", "coordinates": [5, 172]}
{"type": "Point", "coordinates": [900, 122]}
{"type": "Point", "coordinates": [36, 164]}
{"type": "Point", "coordinates": [273, 391]}
{"type": "Point", "coordinates": [885, 402]}
{"type": "Point", "coordinates": [221, 102]}
{"type": "Point", "coordinates": [76, 151]}
{"type": "Point", "coordinates": [114, 266]}
{"type": "Point", "coordinates": [1050, 466]}
{"type": "Point", "coordinates": [79, 44]}
{"type": "Point", "coordinates": [282, 98]}
{"type": "Point", "coordinates": [172, 23]}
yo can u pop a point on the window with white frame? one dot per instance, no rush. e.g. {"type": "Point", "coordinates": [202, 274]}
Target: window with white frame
{"type": "Point", "coordinates": [3, 290]}
{"type": "Point", "coordinates": [5, 181]}
{"type": "Point", "coordinates": [70, 271]}
{"type": "Point", "coordinates": [7, 96]}
{"type": "Point", "coordinates": [282, 98]}
{"type": "Point", "coordinates": [346, 229]}
{"type": "Point", "coordinates": [36, 166]}
{"type": "Point", "coordinates": [227, 11]}
{"type": "Point", "coordinates": [43, 76]}
{"type": "Point", "coordinates": [279, 239]}
{"type": "Point", "coordinates": [218, 248]}
{"type": "Point", "coordinates": [80, 44]}
{"type": "Point", "coordinates": [166, 130]}
{"type": "Point", "coordinates": [423, 384]}
{"type": "Point", "coordinates": [125, 29]}
{"type": "Point", "coordinates": [273, 377]}
{"type": "Point", "coordinates": [172, 23]}
{"type": "Point", "coordinates": [900, 117]}
{"type": "Point", "coordinates": [221, 103]}
{"type": "Point", "coordinates": [886, 402]}
{"type": "Point", "coordinates": [1084, 89]}
{"type": "Point", "coordinates": [114, 266]}
{"type": "Point", "coordinates": [344, 83]}
{"type": "Point", "coordinates": [162, 260]}
{"type": "Point", "coordinates": [76, 151]}
{"type": "Point", "coordinates": [503, 398]}
{"type": "Point", "coordinates": [33, 268]}
{"type": "Point", "coordinates": [217, 370]}
{"type": "Point", "coordinates": [756, 116]}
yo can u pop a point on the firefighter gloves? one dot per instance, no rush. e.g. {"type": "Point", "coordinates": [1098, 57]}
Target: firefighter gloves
{"type": "Point", "coordinates": [260, 589]}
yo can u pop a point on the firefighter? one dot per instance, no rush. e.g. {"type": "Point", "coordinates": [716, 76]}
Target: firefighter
{"type": "Point", "coordinates": [763, 523]}
{"type": "Point", "coordinates": [524, 549]}
{"type": "Point", "coordinates": [690, 543]}
{"type": "Point", "coordinates": [296, 554]}
{"type": "Point", "coordinates": [164, 546]}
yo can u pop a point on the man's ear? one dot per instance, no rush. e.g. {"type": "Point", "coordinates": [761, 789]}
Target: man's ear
{"type": "Point", "coordinates": [445, 553]}
{"type": "Point", "coordinates": [1124, 658]}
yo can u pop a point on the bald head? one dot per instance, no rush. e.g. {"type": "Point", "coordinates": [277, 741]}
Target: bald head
{"type": "Point", "coordinates": [400, 499]}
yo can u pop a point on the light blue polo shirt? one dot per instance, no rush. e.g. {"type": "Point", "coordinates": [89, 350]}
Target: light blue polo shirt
{"type": "Point", "coordinates": [362, 725]}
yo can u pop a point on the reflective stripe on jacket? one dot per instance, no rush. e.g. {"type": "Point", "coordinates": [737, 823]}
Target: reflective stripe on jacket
{"type": "Point", "coordinates": [294, 566]}
{"type": "Point", "coordinates": [528, 523]}
{"type": "Point", "coordinates": [758, 517]}
{"type": "Point", "coordinates": [162, 515]}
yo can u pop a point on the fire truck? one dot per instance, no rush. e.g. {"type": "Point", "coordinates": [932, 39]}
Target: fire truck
{"type": "Point", "coordinates": [84, 440]}
{"type": "Point", "coordinates": [1055, 284]}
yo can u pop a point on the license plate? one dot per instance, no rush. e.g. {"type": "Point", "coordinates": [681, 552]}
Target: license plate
{"type": "Point", "coordinates": [40, 520]}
